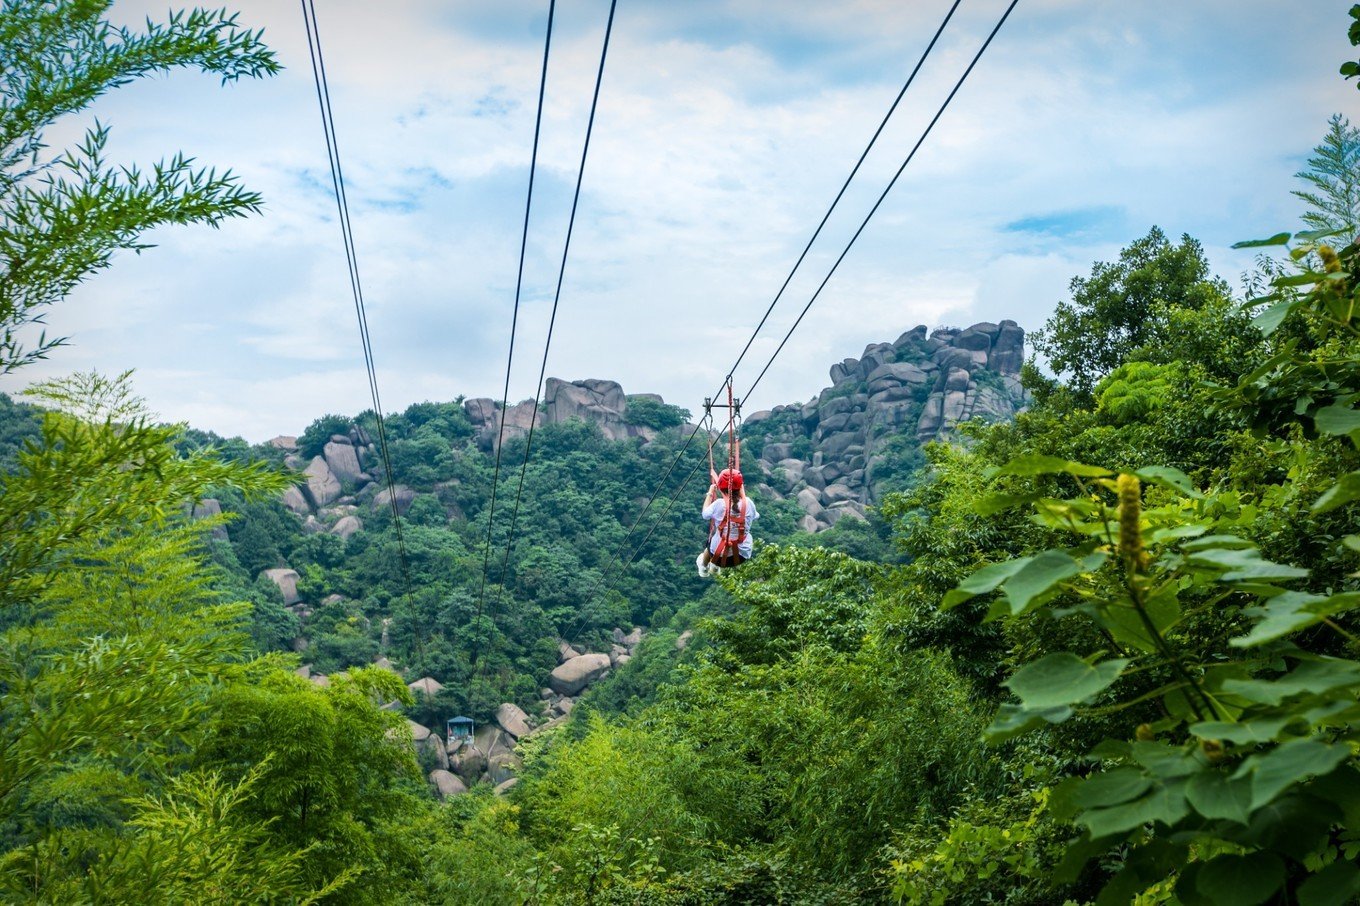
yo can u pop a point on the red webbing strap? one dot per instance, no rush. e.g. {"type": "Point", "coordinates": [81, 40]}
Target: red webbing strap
{"type": "Point", "coordinates": [734, 465]}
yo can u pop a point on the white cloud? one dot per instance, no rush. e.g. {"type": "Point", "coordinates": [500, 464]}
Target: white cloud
{"type": "Point", "coordinates": [725, 127]}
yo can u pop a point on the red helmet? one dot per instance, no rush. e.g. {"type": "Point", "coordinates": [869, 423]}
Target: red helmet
{"type": "Point", "coordinates": [729, 480]}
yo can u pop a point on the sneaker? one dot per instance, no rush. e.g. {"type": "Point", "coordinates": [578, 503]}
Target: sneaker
{"type": "Point", "coordinates": [714, 569]}
{"type": "Point", "coordinates": [703, 567]}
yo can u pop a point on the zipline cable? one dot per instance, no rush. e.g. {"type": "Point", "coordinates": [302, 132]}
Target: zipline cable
{"type": "Point", "coordinates": [557, 296]}
{"type": "Point", "coordinates": [622, 838]}
{"type": "Point", "coordinates": [323, 97]}
{"type": "Point", "coordinates": [675, 496]}
{"type": "Point", "coordinates": [873, 140]}
{"type": "Point", "coordinates": [827, 216]}
{"type": "Point", "coordinates": [892, 182]}
{"type": "Point", "coordinates": [514, 322]}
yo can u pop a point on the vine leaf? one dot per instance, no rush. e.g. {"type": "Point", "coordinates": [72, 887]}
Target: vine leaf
{"type": "Point", "coordinates": [1063, 679]}
{"type": "Point", "coordinates": [1241, 880]}
{"type": "Point", "coordinates": [1275, 771]}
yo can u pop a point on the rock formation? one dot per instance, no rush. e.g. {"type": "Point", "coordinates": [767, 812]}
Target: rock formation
{"type": "Point", "coordinates": [833, 453]}
{"type": "Point", "coordinates": [570, 677]}
{"type": "Point", "coordinates": [599, 402]}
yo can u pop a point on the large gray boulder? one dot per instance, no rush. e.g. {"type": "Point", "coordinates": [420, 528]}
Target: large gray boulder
{"type": "Point", "coordinates": [810, 501]}
{"type": "Point", "coordinates": [481, 411]}
{"type": "Point", "coordinates": [572, 676]}
{"type": "Point", "coordinates": [958, 379]}
{"type": "Point", "coordinates": [209, 508]}
{"type": "Point", "coordinates": [978, 337]}
{"type": "Point", "coordinates": [294, 500]}
{"type": "Point", "coordinates": [426, 685]}
{"type": "Point", "coordinates": [502, 767]}
{"type": "Point", "coordinates": [404, 496]}
{"type": "Point", "coordinates": [343, 461]}
{"type": "Point", "coordinates": [513, 720]}
{"type": "Point", "coordinates": [322, 486]}
{"type": "Point", "coordinates": [468, 763]}
{"type": "Point", "coordinates": [491, 740]}
{"type": "Point", "coordinates": [434, 745]}
{"type": "Point", "coordinates": [286, 580]}
{"type": "Point", "coordinates": [1009, 352]}
{"type": "Point", "coordinates": [565, 652]}
{"type": "Point", "coordinates": [447, 784]}
{"type": "Point", "coordinates": [346, 526]}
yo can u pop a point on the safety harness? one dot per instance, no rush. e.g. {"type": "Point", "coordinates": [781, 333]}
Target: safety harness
{"type": "Point", "coordinates": [731, 529]}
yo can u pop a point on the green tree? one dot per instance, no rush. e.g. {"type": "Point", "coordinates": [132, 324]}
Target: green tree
{"type": "Point", "coordinates": [1127, 306]}
{"type": "Point", "coordinates": [1333, 177]}
{"type": "Point", "coordinates": [328, 769]}
{"type": "Point", "coordinates": [62, 216]}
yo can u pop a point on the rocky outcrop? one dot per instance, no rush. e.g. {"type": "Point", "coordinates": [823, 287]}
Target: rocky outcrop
{"type": "Point", "coordinates": [322, 487]}
{"type": "Point", "coordinates": [403, 495]}
{"type": "Point", "coordinates": [570, 677]}
{"type": "Point", "coordinates": [426, 685]}
{"type": "Point", "coordinates": [513, 720]}
{"type": "Point", "coordinates": [343, 460]}
{"type": "Point", "coordinates": [447, 784]}
{"type": "Point", "coordinates": [286, 580]}
{"type": "Point", "coordinates": [210, 508]}
{"type": "Point", "coordinates": [599, 402]}
{"type": "Point", "coordinates": [346, 526]}
{"type": "Point", "coordinates": [920, 386]}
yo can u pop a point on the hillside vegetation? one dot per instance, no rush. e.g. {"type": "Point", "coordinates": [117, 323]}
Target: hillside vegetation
{"type": "Point", "coordinates": [1102, 652]}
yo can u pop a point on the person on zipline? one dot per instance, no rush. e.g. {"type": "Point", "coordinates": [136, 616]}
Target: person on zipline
{"type": "Point", "coordinates": [729, 513]}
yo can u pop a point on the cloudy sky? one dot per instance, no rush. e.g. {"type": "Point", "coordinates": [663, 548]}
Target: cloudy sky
{"type": "Point", "coordinates": [725, 129]}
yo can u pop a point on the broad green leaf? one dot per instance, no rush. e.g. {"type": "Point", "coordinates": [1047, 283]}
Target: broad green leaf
{"type": "Point", "coordinates": [1292, 611]}
{"type": "Point", "coordinates": [983, 581]}
{"type": "Point", "coordinates": [1036, 577]}
{"type": "Point", "coordinates": [1037, 464]}
{"type": "Point", "coordinates": [1315, 235]}
{"type": "Point", "coordinates": [1341, 787]}
{"type": "Point", "coordinates": [1346, 489]}
{"type": "Point", "coordinates": [1216, 541]}
{"type": "Point", "coordinates": [1310, 677]}
{"type": "Point", "coordinates": [1176, 532]}
{"type": "Point", "coordinates": [1337, 419]}
{"type": "Point", "coordinates": [1269, 320]}
{"type": "Point", "coordinates": [997, 503]}
{"type": "Point", "coordinates": [1277, 239]}
{"type": "Point", "coordinates": [1123, 622]}
{"type": "Point", "coordinates": [1166, 762]}
{"type": "Point", "coordinates": [1062, 679]}
{"type": "Point", "coordinates": [1307, 278]}
{"type": "Point", "coordinates": [1171, 478]}
{"type": "Point", "coordinates": [1185, 888]}
{"type": "Point", "coordinates": [1110, 788]}
{"type": "Point", "coordinates": [1241, 880]}
{"type": "Point", "coordinates": [1289, 763]}
{"type": "Point", "coordinates": [1213, 795]}
{"type": "Point", "coordinates": [1012, 721]}
{"type": "Point", "coordinates": [1335, 885]}
{"type": "Point", "coordinates": [1246, 733]}
{"type": "Point", "coordinates": [1245, 564]}
{"type": "Point", "coordinates": [1165, 804]}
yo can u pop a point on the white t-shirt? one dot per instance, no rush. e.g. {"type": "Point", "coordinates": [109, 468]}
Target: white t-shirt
{"type": "Point", "coordinates": [714, 513]}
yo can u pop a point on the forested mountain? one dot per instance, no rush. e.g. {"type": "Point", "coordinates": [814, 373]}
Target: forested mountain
{"type": "Point", "coordinates": [1098, 646]}
{"type": "Point", "coordinates": [484, 618]}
